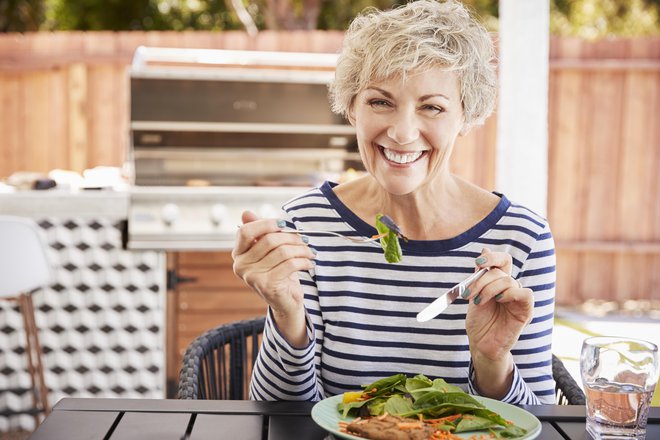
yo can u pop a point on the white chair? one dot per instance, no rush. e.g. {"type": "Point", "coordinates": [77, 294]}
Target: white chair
{"type": "Point", "coordinates": [24, 267]}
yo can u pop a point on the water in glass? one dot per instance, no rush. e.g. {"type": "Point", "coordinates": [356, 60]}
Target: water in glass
{"type": "Point", "coordinates": [619, 377]}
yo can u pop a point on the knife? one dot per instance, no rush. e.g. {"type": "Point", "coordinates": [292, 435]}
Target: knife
{"type": "Point", "coordinates": [442, 302]}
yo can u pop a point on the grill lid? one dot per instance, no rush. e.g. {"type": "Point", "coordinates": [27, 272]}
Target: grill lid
{"type": "Point", "coordinates": [261, 115]}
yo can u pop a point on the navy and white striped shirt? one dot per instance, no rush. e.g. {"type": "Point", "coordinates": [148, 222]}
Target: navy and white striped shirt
{"type": "Point", "coordinates": [361, 309]}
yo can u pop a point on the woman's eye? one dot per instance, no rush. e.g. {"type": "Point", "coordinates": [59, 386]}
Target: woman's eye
{"type": "Point", "coordinates": [433, 108]}
{"type": "Point", "coordinates": [379, 103]}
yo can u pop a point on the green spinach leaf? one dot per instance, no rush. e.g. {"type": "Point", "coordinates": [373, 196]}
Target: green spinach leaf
{"type": "Point", "coordinates": [390, 242]}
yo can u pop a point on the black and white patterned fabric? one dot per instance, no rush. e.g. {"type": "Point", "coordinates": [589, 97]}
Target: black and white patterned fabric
{"type": "Point", "coordinates": [101, 322]}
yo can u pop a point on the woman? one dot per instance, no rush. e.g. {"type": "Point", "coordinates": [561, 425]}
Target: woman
{"type": "Point", "coordinates": [410, 80]}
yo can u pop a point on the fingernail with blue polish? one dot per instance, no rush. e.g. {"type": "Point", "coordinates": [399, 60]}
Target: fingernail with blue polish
{"type": "Point", "coordinates": [304, 238]}
{"type": "Point", "coordinates": [281, 223]}
{"type": "Point", "coordinates": [465, 293]}
{"type": "Point", "coordinates": [480, 260]}
{"type": "Point", "coordinates": [477, 299]}
{"type": "Point", "coordinates": [314, 251]}
{"type": "Point", "coordinates": [498, 296]}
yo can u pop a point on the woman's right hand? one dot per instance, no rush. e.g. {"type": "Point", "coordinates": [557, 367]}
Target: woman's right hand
{"type": "Point", "coordinates": [268, 262]}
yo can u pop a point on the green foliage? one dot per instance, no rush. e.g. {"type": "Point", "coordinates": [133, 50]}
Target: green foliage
{"type": "Point", "coordinates": [581, 18]}
{"type": "Point", "coordinates": [21, 15]}
{"type": "Point", "coordinates": [118, 15]}
{"type": "Point", "coordinates": [338, 14]}
{"type": "Point", "coordinates": [593, 19]}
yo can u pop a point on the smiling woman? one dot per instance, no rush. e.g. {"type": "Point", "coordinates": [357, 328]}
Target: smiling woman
{"type": "Point", "coordinates": [411, 80]}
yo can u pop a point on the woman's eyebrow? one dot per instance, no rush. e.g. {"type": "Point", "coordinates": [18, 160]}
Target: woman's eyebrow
{"type": "Point", "coordinates": [383, 92]}
{"type": "Point", "coordinates": [433, 95]}
{"type": "Point", "coordinates": [421, 98]}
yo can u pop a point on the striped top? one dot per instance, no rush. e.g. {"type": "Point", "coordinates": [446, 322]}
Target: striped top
{"type": "Point", "coordinates": [361, 310]}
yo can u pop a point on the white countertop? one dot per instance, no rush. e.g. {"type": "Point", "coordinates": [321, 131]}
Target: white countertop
{"type": "Point", "coordinates": [58, 203]}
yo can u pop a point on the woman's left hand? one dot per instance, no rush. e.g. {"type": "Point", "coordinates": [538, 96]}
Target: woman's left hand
{"type": "Point", "coordinates": [499, 308]}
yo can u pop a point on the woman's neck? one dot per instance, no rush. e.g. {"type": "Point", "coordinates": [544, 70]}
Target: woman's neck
{"type": "Point", "coordinates": [441, 210]}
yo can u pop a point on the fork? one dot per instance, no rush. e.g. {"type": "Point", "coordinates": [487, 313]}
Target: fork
{"type": "Point", "coordinates": [347, 237]}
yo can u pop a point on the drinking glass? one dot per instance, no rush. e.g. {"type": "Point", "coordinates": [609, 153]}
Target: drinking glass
{"type": "Point", "coordinates": [619, 376]}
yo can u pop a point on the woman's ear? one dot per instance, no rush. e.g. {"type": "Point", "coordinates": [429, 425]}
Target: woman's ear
{"type": "Point", "coordinates": [350, 116]}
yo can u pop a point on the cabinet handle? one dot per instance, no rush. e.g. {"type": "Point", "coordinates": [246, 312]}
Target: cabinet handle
{"type": "Point", "coordinates": [173, 279]}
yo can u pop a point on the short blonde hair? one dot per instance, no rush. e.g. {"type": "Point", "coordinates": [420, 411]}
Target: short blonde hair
{"type": "Point", "coordinates": [422, 34]}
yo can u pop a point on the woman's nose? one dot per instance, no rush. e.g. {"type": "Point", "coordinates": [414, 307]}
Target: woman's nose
{"type": "Point", "coordinates": [403, 128]}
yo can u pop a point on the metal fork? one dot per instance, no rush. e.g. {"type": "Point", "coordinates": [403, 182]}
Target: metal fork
{"type": "Point", "coordinates": [347, 237]}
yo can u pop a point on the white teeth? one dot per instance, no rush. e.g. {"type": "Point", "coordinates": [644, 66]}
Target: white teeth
{"type": "Point", "coordinates": [401, 158]}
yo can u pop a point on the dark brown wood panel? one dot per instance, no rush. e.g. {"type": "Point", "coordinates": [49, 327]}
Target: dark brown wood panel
{"type": "Point", "coordinates": [136, 425]}
{"type": "Point", "coordinates": [211, 277]}
{"type": "Point", "coordinates": [88, 425]}
{"type": "Point", "coordinates": [209, 427]}
{"type": "Point", "coordinates": [209, 301]}
{"type": "Point", "coordinates": [215, 297]}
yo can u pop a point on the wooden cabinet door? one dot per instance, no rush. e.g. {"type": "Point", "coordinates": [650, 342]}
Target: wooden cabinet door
{"type": "Point", "coordinates": [211, 296]}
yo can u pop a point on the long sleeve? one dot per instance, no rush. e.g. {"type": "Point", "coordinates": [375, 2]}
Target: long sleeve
{"type": "Point", "coordinates": [284, 372]}
{"type": "Point", "coordinates": [532, 354]}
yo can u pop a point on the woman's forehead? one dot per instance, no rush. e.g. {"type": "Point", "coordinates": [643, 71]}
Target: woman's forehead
{"type": "Point", "coordinates": [434, 80]}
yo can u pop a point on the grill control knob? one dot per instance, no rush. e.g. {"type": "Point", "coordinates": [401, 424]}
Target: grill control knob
{"type": "Point", "coordinates": [219, 214]}
{"type": "Point", "coordinates": [170, 213]}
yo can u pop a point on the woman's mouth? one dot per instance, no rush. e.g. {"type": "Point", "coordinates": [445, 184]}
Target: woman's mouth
{"type": "Point", "coordinates": [400, 157]}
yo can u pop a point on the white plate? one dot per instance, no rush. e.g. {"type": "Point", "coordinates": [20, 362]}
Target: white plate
{"type": "Point", "coordinates": [325, 414]}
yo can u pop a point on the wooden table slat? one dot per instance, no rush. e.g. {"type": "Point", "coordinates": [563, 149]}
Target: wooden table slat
{"type": "Point", "coordinates": [187, 406]}
{"type": "Point", "coordinates": [151, 426]}
{"type": "Point", "coordinates": [578, 431]}
{"type": "Point", "coordinates": [243, 427]}
{"type": "Point", "coordinates": [294, 427]}
{"type": "Point", "coordinates": [75, 425]}
{"type": "Point", "coordinates": [548, 432]}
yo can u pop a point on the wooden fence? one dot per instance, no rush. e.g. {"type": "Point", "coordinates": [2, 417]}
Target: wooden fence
{"type": "Point", "coordinates": [64, 100]}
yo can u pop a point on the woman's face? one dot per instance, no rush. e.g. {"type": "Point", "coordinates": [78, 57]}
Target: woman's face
{"type": "Point", "coordinates": [406, 130]}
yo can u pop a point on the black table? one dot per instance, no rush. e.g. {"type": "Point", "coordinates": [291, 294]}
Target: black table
{"type": "Point", "coordinates": [144, 419]}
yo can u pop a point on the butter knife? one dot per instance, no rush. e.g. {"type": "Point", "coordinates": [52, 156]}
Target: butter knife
{"type": "Point", "coordinates": [442, 302]}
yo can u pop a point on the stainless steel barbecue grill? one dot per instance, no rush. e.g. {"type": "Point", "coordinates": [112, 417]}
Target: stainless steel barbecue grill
{"type": "Point", "coordinates": [215, 132]}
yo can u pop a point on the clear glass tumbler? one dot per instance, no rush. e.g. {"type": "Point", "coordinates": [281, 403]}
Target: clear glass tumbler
{"type": "Point", "coordinates": [619, 376]}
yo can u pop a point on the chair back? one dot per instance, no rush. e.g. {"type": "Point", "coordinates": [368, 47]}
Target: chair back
{"type": "Point", "coordinates": [567, 391]}
{"type": "Point", "coordinates": [24, 264]}
{"type": "Point", "coordinates": [218, 363]}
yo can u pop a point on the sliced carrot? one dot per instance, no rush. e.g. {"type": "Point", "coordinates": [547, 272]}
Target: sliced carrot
{"type": "Point", "coordinates": [409, 425]}
{"type": "Point", "coordinates": [444, 419]}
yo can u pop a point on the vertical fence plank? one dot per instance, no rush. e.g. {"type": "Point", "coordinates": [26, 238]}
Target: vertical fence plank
{"type": "Point", "coordinates": [566, 124]}
{"type": "Point", "coordinates": [635, 179]}
{"type": "Point", "coordinates": [34, 122]}
{"type": "Point", "coordinates": [605, 102]}
{"type": "Point", "coordinates": [11, 140]}
{"type": "Point", "coordinates": [103, 123]}
{"type": "Point", "coordinates": [654, 192]}
{"type": "Point", "coordinates": [78, 122]}
{"type": "Point", "coordinates": [58, 148]}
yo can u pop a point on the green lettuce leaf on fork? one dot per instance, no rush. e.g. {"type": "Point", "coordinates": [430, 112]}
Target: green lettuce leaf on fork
{"type": "Point", "coordinates": [390, 242]}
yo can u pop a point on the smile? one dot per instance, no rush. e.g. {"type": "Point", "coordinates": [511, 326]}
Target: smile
{"type": "Point", "coordinates": [401, 158]}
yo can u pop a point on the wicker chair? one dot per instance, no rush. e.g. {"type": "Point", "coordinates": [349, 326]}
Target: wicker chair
{"type": "Point", "coordinates": [216, 366]}
{"type": "Point", "coordinates": [218, 363]}
{"type": "Point", "coordinates": [567, 391]}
